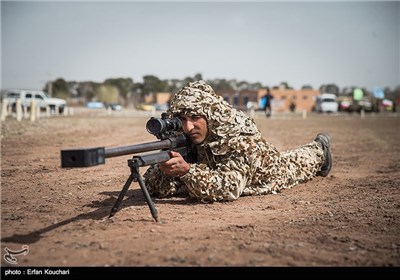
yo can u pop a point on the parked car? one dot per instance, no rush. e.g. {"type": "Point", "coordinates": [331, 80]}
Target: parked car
{"type": "Point", "coordinates": [326, 103]}
{"type": "Point", "coordinates": [349, 105]}
{"type": "Point", "coordinates": [95, 105]}
{"type": "Point", "coordinates": [161, 107]}
{"type": "Point", "coordinates": [41, 98]}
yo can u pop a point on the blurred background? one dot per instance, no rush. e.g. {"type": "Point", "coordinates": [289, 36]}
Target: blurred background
{"type": "Point", "coordinates": [312, 56]}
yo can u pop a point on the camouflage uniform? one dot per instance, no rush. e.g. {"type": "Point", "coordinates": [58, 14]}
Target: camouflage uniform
{"type": "Point", "coordinates": [234, 159]}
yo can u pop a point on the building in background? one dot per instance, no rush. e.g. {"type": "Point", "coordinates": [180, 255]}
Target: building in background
{"type": "Point", "coordinates": [303, 99]}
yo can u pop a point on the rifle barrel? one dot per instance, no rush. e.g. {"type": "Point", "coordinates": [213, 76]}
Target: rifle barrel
{"type": "Point", "coordinates": [84, 157]}
{"type": "Point", "coordinates": [137, 148]}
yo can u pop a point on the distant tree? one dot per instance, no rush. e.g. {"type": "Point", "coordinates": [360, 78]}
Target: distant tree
{"type": "Point", "coordinates": [124, 85]}
{"type": "Point", "coordinates": [284, 85]}
{"type": "Point", "coordinates": [306, 87]}
{"type": "Point", "coordinates": [242, 85]}
{"type": "Point", "coordinates": [174, 85]}
{"type": "Point", "coordinates": [329, 88]}
{"type": "Point", "coordinates": [107, 93]}
{"type": "Point", "coordinates": [134, 93]}
{"type": "Point", "coordinates": [152, 85]}
{"type": "Point", "coordinates": [220, 85]}
{"type": "Point", "coordinates": [255, 86]}
{"type": "Point", "coordinates": [86, 91]}
{"type": "Point", "coordinates": [187, 80]}
{"type": "Point", "coordinates": [73, 88]}
{"type": "Point", "coordinates": [138, 88]}
{"type": "Point", "coordinates": [60, 88]}
{"type": "Point", "coordinates": [233, 84]}
{"type": "Point", "coordinates": [388, 93]}
{"type": "Point", "coordinates": [347, 91]}
{"type": "Point", "coordinates": [198, 77]}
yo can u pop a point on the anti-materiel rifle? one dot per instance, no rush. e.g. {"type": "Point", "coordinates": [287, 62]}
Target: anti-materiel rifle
{"type": "Point", "coordinates": [171, 138]}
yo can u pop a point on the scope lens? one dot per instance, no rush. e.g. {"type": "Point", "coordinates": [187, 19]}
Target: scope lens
{"type": "Point", "coordinates": [155, 126]}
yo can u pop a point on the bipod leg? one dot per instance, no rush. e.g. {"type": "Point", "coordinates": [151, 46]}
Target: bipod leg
{"type": "Point", "coordinates": [135, 176]}
{"type": "Point", "coordinates": [122, 194]}
{"type": "Point", "coordinates": [139, 178]}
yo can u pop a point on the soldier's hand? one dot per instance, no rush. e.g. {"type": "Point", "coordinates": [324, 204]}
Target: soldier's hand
{"type": "Point", "coordinates": [176, 166]}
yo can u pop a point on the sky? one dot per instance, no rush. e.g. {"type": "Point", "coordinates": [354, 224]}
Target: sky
{"type": "Point", "coordinates": [301, 43]}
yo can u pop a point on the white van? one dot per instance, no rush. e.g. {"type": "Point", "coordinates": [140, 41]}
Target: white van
{"type": "Point", "coordinates": [41, 98]}
{"type": "Point", "coordinates": [326, 103]}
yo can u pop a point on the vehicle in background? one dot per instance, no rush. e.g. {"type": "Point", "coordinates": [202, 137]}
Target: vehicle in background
{"type": "Point", "coordinates": [365, 105]}
{"type": "Point", "coordinates": [152, 107]}
{"type": "Point", "coordinates": [161, 107]}
{"type": "Point", "coordinates": [388, 105]}
{"type": "Point", "coordinates": [326, 103]}
{"type": "Point", "coordinates": [347, 104]}
{"type": "Point", "coordinates": [43, 101]}
{"type": "Point", "coordinates": [95, 105]}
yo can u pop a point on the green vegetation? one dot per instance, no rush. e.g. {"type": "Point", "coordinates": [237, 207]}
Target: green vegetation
{"type": "Point", "coordinates": [126, 92]}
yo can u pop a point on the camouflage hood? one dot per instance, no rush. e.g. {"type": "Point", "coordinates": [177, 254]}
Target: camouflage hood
{"type": "Point", "coordinates": [227, 126]}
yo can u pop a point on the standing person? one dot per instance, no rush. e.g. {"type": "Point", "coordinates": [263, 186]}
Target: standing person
{"type": "Point", "coordinates": [232, 157]}
{"type": "Point", "coordinates": [266, 101]}
{"type": "Point", "coordinates": [292, 105]}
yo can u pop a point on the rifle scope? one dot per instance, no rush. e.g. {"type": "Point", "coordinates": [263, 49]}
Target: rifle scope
{"type": "Point", "coordinates": [163, 125]}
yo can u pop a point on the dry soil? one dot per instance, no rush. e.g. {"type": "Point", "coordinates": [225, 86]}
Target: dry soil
{"type": "Point", "coordinates": [350, 218]}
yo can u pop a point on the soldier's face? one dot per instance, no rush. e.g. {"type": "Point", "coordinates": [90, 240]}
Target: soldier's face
{"type": "Point", "coordinates": [195, 127]}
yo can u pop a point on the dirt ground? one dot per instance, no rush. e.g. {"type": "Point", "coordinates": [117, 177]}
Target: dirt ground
{"type": "Point", "coordinates": [350, 218]}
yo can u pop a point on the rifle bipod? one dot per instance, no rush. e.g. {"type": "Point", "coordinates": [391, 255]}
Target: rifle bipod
{"type": "Point", "coordinates": [135, 176]}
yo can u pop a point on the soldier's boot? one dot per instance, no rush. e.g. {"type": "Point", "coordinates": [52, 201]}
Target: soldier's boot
{"type": "Point", "coordinates": [325, 141]}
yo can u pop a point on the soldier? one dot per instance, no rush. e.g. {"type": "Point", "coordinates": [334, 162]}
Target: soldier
{"type": "Point", "coordinates": [232, 157]}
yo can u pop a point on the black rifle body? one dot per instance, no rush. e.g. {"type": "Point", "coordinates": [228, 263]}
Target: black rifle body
{"type": "Point", "coordinates": [164, 128]}
{"type": "Point", "coordinates": [85, 157]}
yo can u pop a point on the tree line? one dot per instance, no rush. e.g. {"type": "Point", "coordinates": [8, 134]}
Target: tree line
{"type": "Point", "coordinates": [125, 91]}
